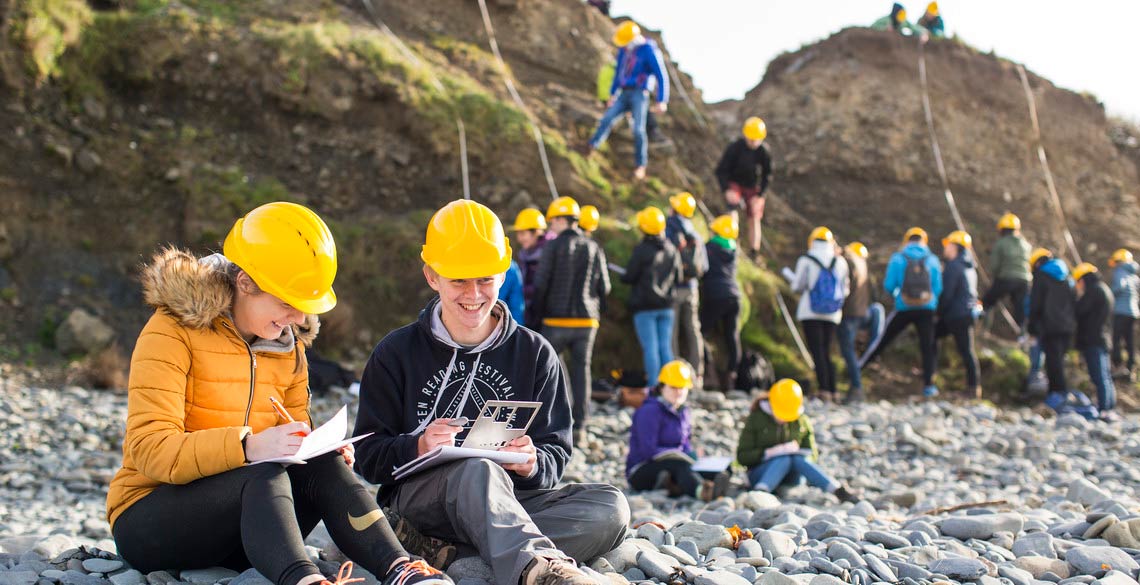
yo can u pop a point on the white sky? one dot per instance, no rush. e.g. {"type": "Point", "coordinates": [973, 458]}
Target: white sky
{"type": "Point", "coordinates": [726, 45]}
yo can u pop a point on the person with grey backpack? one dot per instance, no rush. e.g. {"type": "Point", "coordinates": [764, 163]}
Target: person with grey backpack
{"type": "Point", "coordinates": [821, 276]}
{"type": "Point", "coordinates": [914, 279]}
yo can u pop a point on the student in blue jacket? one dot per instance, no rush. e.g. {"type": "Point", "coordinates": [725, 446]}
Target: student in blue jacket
{"type": "Point", "coordinates": [512, 292]}
{"type": "Point", "coordinates": [914, 279]}
{"type": "Point", "coordinates": [640, 71]}
{"type": "Point", "coordinates": [1125, 312]}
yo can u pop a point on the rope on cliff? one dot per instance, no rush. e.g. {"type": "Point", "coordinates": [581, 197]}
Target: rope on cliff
{"type": "Point", "coordinates": [518, 99]}
{"type": "Point", "coordinates": [411, 56]}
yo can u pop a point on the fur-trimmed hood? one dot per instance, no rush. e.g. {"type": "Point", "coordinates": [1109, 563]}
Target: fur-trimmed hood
{"type": "Point", "coordinates": [197, 292]}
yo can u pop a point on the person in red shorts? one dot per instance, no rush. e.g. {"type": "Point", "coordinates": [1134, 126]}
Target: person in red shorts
{"type": "Point", "coordinates": [743, 173]}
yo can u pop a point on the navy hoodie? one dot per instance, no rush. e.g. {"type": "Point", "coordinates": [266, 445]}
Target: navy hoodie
{"type": "Point", "coordinates": [400, 391]}
{"type": "Point", "coordinates": [959, 288]}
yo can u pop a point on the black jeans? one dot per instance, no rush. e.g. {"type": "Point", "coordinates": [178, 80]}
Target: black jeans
{"type": "Point", "coordinates": [1123, 340]}
{"type": "Point", "coordinates": [645, 476]}
{"type": "Point", "coordinates": [257, 516]}
{"type": "Point", "coordinates": [897, 321]}
{"type": "Point", "coordinates": [723, 314]}
{"type": "Point", "coordinates": [580, 342]}
{"type": "Point", "coordinates": [1055, 347]}
{"type": "Point", "coordinates": [819, 335]}
{"type": "Point", "coordinates": [1013, 288]}
{"type": "Point", "coordinates": [963, 332]}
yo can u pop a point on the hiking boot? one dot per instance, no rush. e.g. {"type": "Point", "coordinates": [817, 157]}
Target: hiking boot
{"type": "Point", "coordinates": [415, 571]}
{"type": "Point", "coordinates": [438, 553]}
{"type": "Point", "coordinates": [714, 489]}
{"type": "Point", "coordinates": [544, 571]}
{"type": "Point", "coordinates": [1109, 416]}
{"type": "Point", "coordinates": [845, 495]}
{"type": "Point", "coordinates": [854, 396]}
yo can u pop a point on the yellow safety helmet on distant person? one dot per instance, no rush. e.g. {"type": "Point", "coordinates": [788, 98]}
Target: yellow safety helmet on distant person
{"type": "Point", "coordinates": [1009, 221]}
{"type": "Point", "coordinates": [959, 237]}
{"type": "Point", "coordinates": [651, 221]}
{"type": "Point", "coordinates": [821, 233]}
{"type": "Point", "coordinates": [529, 219]}
{"type": "Point", "coordinates": [916, 231]}
{"type": "Point", "coordinates": [755, 129]}
{"type": "Point", "coordinates": [677, 373]}
{"type": "Point", "coordinates": [1121, 256]}
{"type": "Point", "coordinates": [1037, 255]}
{"type": "Point", "coordinates": [465, 239]}
{"type": "Point", "coordinates": [289, 253]}
{"type": "Point", "coordinates": [1083, 269]}
{"type": "Point", "coordinates": [726, 227]}
{"type": "Point", "coordinates": [787, 400]}
{"type": "Point", "coordinates": [859, 249]}
{"type": "Point", "coordinates": [590, 218]}
{"type": "Point", "coordinates": [563, 207]}
{"type": "Point", "coordinates": [932, 8]}
{"type": "Point", "coordinates": [684, 203]}
{"type": "Point", "coordinates": [626, 32]}
{"type": "Point", "coordinates": [900, 16]}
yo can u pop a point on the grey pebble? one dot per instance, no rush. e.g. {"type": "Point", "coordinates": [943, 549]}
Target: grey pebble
{"type": "Point", "coordinates": [98, 565]}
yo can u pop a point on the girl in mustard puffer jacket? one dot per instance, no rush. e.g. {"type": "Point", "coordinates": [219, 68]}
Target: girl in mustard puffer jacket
{"type": "Point", "coordinates": [227, 336]}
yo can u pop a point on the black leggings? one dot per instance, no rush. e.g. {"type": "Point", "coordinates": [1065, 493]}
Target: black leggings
{"type": "Point", "coordinates": [645, 476]}
{"type": "Point", "coordinates": [723, 314]}
{"type": "Point", "coordinates": [819, 335]}
{"type": "Point", "coordinates": [897, 321]}
{"type": "Point", "coordinates": [1055, 347]}
{"type": "Point", "coordinates": [1013, 288]}
{"type": "Point", "coordinates": [1123, 339]}
{"type": "Point", "coordinates": [257, 516]}
{"type": "Point", "coordinates": [963, 332]}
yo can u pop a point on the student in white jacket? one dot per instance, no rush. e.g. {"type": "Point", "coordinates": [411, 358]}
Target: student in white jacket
{"type": "Point", "coordinates": [821, 303]}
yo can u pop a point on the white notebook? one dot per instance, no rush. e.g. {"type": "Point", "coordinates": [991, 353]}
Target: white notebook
{"type": "Point", "coordinates": [441, 455]}
{"type": "Point", "coordinates": [325, 438]}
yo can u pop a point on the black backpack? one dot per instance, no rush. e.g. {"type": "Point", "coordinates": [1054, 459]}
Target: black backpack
{"type": "Point", "coordinates": [324, 373]}
{"type": "Point", "coordinates": [917, 285]}
{"type": "Point", "coordinates": [694, 259]}
{"type": "Point", "coordinates": [754, 372]}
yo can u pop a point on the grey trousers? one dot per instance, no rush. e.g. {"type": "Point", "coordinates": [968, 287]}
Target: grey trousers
{"type": "Point", "coordinates": [473, 501]}
{"type": "Point", "coordinates": [580, 342]}
{"type": "Point", "coordinates": [687, 340]}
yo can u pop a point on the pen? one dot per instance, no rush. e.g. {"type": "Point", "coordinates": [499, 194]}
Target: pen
{"type": "Point", "coordinates": [459, 422]}
{"type": "Point", "coordinates": [281, 412]}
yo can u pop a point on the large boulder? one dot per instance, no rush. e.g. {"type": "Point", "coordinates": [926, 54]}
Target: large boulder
{"type": "Point", "coordinates": [82, 333]}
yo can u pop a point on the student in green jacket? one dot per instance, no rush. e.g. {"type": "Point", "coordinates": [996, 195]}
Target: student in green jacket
{"type": "Point", "coordinates": [1009, 261]}
{"type": "Point", "coordinates": [778, 447]}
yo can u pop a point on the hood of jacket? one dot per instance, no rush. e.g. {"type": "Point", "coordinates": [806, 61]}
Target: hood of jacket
{"type": "Point", "coordinates": [430, 323]}
{"type": "Point", "coordinates": [915, 250]}
{"type": "Point", "coordinates": [823, 251]}
{"type": "Point", "coordinates": [1056, 269]}
{"type": "Point", "coordinates": [197, 292]}
{"type": "Point", "coordinates": [1127, 267]}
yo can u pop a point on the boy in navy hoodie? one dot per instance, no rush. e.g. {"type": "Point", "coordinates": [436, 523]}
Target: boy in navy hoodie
{"type": "Point", "coordinates": [958, 304]}
{"type": "Point", "coordinates": [464, 350]}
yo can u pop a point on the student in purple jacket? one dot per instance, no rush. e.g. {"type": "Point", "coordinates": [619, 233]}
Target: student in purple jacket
{"type": "Point", "coordinates": [660, 440]}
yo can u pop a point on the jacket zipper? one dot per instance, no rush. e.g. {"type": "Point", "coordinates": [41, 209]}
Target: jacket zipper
{"type": "Point", "coordinates": [252, 374]}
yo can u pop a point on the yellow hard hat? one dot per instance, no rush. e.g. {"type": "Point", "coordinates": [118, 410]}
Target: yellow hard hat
{"type": "Point", "coordinates": [900, 16]}
{"type": "Point", "coordinates": [932, 8]}
{"type": "Point", "coordinates": [677, 373]}
{"type": "Point", "coordinates": [916, 231]}
{"type": "Point", "coordinates": [590, 218]}
{"type": "Point", "coordinates": [684, 203]}
{"type": "Point", "coordinates": [1009, 221]}
{"type": "Point", "coordinates": [755, 129]}
{"type": "Point", "coordinates": [529, 219]}
{"type": "Point", "coordinates": [1037, 255]}
{"type": "Point", "coordinates": [959, 237]}
{"type": "Point", "coordinates": [651, 221]}
{"type": "Point", "coordinates": [289, 252]}
{"type": "Point", "coordinates": [465, 239]}
{"type": "Point", "coordinates": [626, 32]}
{"type": "Point", "coordinates": [821, 233]}
{"type": "Point", "coordinates": [858, 249]}
{"type": "Point", "coordinates": [1120, 256]}
{"type": "Point", "coordinates": [563, 207]}
{"type": "Point", "coordinates": [787, 400]}
{"type": "Point", "coordinates": [726, 226]}
{"type": "Point", "coordinates": [1083, 269]}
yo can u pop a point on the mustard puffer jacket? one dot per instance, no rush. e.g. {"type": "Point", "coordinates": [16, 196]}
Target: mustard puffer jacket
{"type": "Point", "coordinates": [196, 388]}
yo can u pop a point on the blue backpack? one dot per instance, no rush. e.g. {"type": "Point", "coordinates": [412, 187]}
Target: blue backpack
{"type": "Point", "coordinates": [823, 296]}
